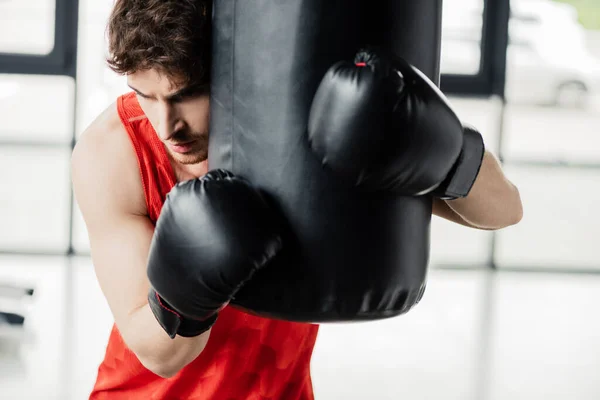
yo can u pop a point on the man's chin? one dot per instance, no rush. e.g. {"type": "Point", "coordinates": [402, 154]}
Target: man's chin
{"type": "Point", "coordinates": [192, 161]}
{"type": "Point", "coordinates": [189, 159]}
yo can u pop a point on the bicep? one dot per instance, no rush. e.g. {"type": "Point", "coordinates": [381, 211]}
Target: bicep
{"type": "Point", "coordinates": [120, 248]}
{"type": "Point", "coordinates": [110, 196]}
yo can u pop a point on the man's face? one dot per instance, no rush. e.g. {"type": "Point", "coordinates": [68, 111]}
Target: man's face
{"type": "Point", "coordinates": [179, 115]}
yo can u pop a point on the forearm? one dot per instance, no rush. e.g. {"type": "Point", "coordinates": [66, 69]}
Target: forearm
{"type": "Point", "coordinates": [493, 202]}
{"type": "Point", "coordinates": [154, 348]}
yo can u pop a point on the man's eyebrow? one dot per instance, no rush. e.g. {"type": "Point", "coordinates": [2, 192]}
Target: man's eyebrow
{"type": "Point", "coordinates": [137, 91]}
{"type": "Point", "coordinates": [186, 91]}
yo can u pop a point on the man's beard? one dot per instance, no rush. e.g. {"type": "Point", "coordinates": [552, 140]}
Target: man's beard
{"type": "Point", "coordinates": [197, 154]}
{"type": "Point", "coordinates": [191, 158]}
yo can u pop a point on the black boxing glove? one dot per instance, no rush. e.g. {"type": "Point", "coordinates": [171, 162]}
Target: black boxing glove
{"type": "Point", "coordinates": [212, 234]}
{"type": "Point", "coordinates": [381, 124]}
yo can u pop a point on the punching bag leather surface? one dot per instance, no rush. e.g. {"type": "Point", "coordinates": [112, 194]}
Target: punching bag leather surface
{"type": "Point", "coordinates": [347, 255]}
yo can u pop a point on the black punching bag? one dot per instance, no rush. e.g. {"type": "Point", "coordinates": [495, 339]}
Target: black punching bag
{"type": "Point", "coordinates": [348, 255]}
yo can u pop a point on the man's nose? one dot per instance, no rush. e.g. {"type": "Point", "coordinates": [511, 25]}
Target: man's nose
{"type": "Point", "coordinates": [169, 122]}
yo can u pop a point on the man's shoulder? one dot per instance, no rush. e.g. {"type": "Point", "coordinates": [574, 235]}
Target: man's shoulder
{"type": "Point", "coordinates": [106, 130]}
{"type": "Point", "coordinates": [104, 155]}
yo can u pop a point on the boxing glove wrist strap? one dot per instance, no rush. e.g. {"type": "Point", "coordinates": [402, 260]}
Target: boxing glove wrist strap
{"type": "Point", "coordinates": [173, 323]}
{"type": "Point", "coordinates": [461, 178]}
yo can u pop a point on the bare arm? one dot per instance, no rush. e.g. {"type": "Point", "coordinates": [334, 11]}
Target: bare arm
{"type": "Point", "coordinates": [110, 195]}
{"type": "Point", "coordinates": [493, 203]}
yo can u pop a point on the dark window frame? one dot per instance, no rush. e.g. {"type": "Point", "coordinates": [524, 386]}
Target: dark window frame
{"type": "Point", "coordinates": [492, 67]}
{"type": "Point", "coordinates": [62, 60]}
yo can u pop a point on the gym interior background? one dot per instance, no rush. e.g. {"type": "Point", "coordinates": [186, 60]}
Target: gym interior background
{"type": "Point", "coordinates": [507, 315]}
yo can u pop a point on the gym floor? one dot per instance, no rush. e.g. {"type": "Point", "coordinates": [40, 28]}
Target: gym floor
{"type": "Point", "coordinates": [477, 335]}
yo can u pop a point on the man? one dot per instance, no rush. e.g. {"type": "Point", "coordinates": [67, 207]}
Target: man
{"type": "Point", "coordinates": [124, 166]}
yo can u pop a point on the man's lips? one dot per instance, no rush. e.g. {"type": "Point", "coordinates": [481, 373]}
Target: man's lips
{"type": "Point", "coordinates": [182, 148]}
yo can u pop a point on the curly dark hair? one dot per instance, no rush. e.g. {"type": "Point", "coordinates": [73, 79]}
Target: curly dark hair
{"type": "Point", "coordinates": [172, 36]}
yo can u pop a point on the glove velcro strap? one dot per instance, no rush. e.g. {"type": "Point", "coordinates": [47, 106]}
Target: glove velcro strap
{"type": "Point", "coordinates": [465, 170]}
{"type": "Point", "coordinates": [173, 323]}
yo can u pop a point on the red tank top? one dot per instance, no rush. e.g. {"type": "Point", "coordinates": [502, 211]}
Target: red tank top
{"type": "Point", "coordinates": [246, 357]}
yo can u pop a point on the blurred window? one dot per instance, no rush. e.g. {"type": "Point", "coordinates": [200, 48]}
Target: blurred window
{"type": "Point", "coordinates": [462, 27]}
{"type": "Point", "coordinates": [37, 113]}
{"type": "Point", "coordinates": [546, 134]}
{"type": "Point", "coordinates": [34, 199]}
{"type": "Point", "coordinates": [561, 225]}
{"type": "Point", "coordinates": [35, 108]}
{"type": "Point", "coordinates": [551, 140]}
{"type": "Point", "coordinates": [27, 26]}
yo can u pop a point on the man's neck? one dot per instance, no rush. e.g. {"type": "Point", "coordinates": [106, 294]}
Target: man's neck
{"type": "Point", "coordinates": [187, 172]}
